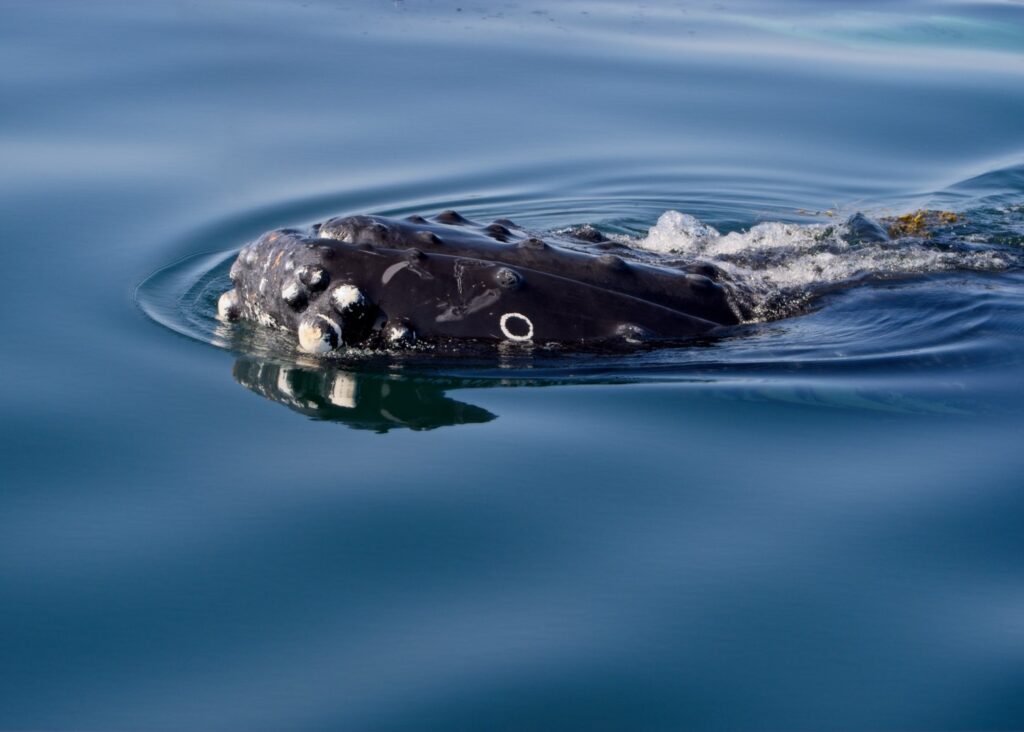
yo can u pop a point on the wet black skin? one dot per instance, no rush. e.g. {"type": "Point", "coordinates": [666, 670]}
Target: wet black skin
{"type": "Point", "coordinates": [450, 279]}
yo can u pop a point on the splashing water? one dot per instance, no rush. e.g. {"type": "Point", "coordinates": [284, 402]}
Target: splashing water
{"type": "Point", "coordinates": [778, 267]}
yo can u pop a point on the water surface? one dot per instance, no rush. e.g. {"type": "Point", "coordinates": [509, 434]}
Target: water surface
{"type": "Point", "coordinates": [813, 523]}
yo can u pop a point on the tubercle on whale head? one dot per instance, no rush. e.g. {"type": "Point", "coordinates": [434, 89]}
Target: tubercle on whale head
{"type": "Point", "coordinates": [319, 334]}
{"type": "Point", "coordinates": [227, 306]}
{"type": "Point", "coordinates": [377, 282]}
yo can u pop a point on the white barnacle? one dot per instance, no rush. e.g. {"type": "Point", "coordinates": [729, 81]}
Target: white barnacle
{"type": "Point", "coordinates": [319, 334]}
{"type": "Point", "coordinates": [346, 297]}
{"type": "Point", "coordinates": [291, 292]}
{"type": "Point", "coordinates": [228, 307]}
{"type": "Point", "coordinates": [316, 277]}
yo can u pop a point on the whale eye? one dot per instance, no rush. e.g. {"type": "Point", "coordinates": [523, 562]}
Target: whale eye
{"type": "Point", "coordinates": [516, 327]}
{"type": "Point", "coordinates": [508, 278]}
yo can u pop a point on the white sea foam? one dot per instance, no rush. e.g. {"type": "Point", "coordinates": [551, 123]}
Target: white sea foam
{"type": "Point", "coordinates": [678, 233]}
{"type": "Point", "coordinates": [776, 266]}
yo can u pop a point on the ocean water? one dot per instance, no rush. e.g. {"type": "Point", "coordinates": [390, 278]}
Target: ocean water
{"type": "Point", "coordinates": [813, 522]}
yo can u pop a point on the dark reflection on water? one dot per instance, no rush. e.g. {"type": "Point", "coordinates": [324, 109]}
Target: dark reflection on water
{"type": "Point", "coordinates": [359, 400]}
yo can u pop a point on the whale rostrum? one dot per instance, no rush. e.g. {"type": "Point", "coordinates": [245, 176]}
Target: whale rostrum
{"type": "Point", "coordinates": [377, 282]}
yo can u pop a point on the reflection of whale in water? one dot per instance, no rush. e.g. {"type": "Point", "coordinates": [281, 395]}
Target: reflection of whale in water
{"type": "Point", "coordinates": [361, 401]}
{"type": "Point", "coordinates": [380, 282]}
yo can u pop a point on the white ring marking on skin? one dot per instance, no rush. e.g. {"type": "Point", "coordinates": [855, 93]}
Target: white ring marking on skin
{"type": "Point", "coordinates": [509, 334]}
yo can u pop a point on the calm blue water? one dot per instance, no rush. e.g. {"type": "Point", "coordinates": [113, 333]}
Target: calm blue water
{"type": "Point", "coordinates": [814, 523]}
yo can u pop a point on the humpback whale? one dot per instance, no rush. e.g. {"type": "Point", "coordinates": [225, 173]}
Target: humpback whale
{"type": "Point", "coordinates": [378, 282]}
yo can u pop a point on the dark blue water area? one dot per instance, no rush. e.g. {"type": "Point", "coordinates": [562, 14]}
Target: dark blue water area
{"type": "Point", "coordinates": [811, 522]}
